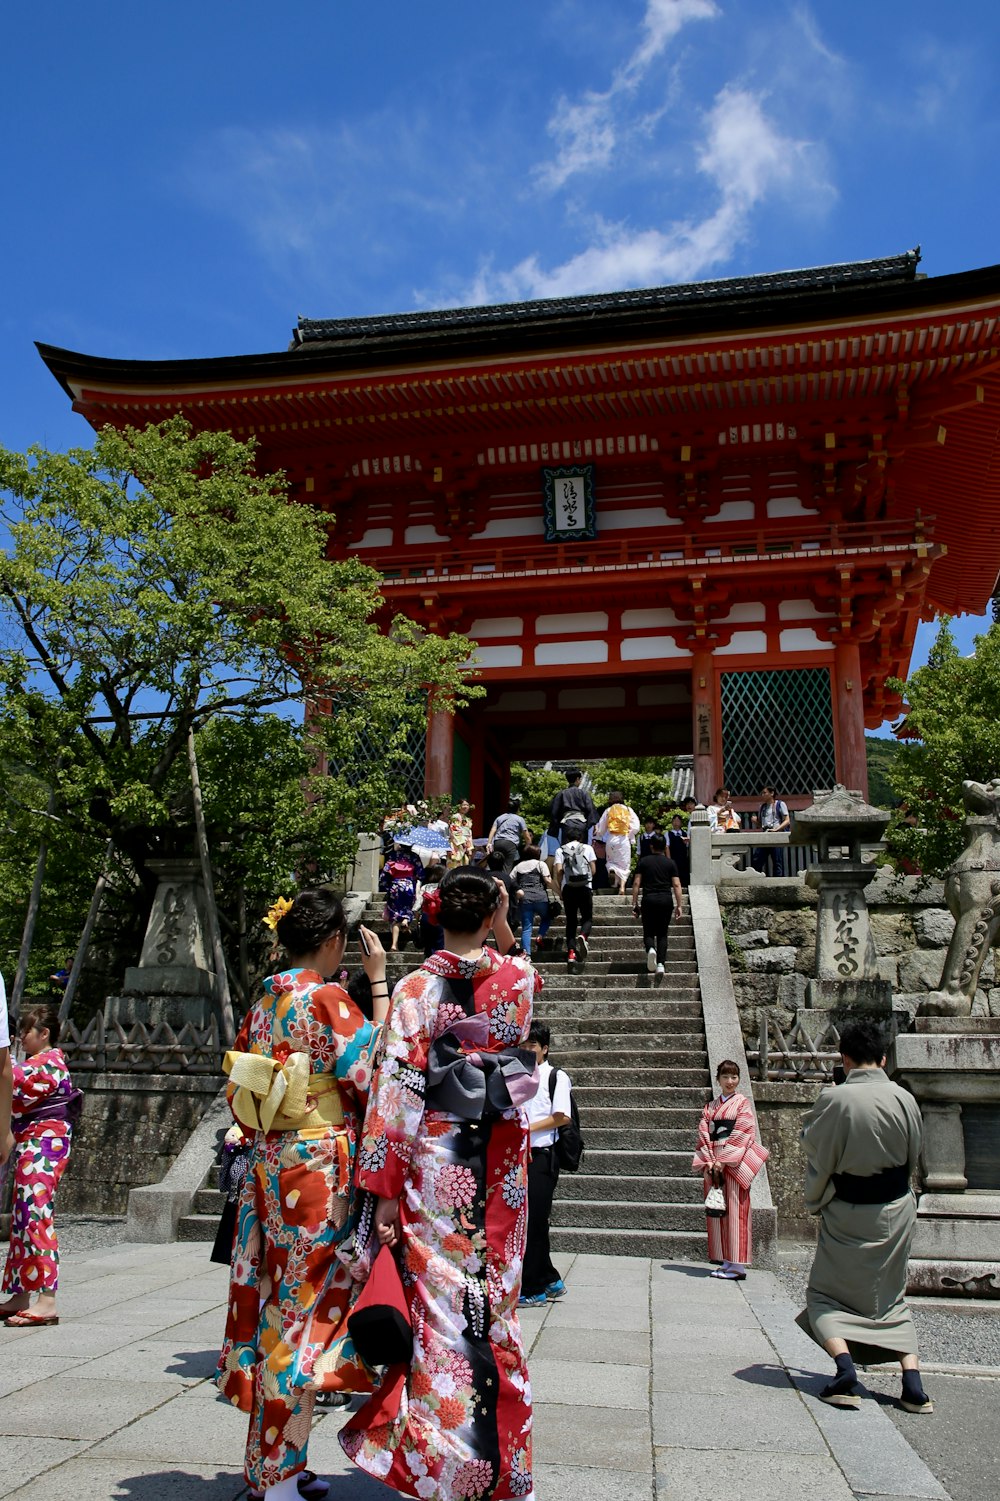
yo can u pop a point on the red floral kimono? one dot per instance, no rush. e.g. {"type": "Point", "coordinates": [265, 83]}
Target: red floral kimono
{"type": "Point", "coordinates": [456, 1423]}
{"type": "Point", "coordinates": [727, 1135]}
{"type": "Point", "coordinates": [42, 1136]}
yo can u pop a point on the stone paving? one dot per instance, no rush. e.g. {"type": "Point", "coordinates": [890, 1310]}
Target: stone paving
{"type": "Point", "coordinates": [651, 1383]}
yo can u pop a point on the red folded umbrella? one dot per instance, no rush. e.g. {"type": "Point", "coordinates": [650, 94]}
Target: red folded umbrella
{"type": "Point", "coordinates": [379, 1323]}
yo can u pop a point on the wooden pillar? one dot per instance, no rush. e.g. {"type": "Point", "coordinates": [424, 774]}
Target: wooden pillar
{"type": "Point", "coordinates": [440, 755]}
{"type": "Point", "coordinates": [849, 712]}
{"type": "Point", "coordinates": [706, 736]}
{"type": "Point", "coordinates": [477, 773]}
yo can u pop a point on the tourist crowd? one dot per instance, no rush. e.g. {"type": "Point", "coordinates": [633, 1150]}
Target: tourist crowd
{"type": "Point", "coordinates": [394, 1160]}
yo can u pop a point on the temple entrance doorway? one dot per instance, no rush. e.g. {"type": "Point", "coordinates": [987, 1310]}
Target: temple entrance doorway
{"type": "Point", "coordinates": [571, 720]}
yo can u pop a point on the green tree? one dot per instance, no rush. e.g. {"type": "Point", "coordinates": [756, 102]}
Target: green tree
{"type": "Point", "coordinates": [156, 583]}
{"type": "Point", "coordinates": [953, 721]}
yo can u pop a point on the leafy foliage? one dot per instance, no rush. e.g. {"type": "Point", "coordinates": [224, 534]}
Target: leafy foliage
{"type": "Point", "coordinates": [155, 584]}
{"type": "Point", "coordinates": [954, 719]}
{"type": "Point", "coordinates": [882, 756]}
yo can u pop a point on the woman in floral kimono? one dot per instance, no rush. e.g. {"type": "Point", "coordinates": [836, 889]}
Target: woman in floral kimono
{"type": "Point", "coordinates": [400, 877]}
{"type": "Point", "coordinates": [730, 1157]}
{"type": "Point", "coordinates": [618, 826]}
{"type": "Point", "coordinates": [299, 1079]}
{"type": "Point", "coordinates": [44, 1109]}
{"type": "Point", "coordinates": [445, 1149]}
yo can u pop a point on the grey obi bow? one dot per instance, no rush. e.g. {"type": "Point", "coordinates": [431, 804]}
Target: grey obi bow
{"type": "Point", "coordinates": [473, 1084]}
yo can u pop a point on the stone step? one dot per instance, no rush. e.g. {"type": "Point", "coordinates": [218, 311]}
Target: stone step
{"type": "Point", "coordinates": [602, 990]}
{"type": "Point", "coordinates": [605, 1168]}
{"type": "Point", "coordinates": [605, 1013]}
{"type": "Point", "coordinates": [663, 1245]}
{"type": "Point", "coordinates": [197, 1227]}
{"type": "Point", "coordinates": [625, 1215]}
{"type": "Point", "coordinates": [621, 1138]}
{"type": "Point", "coordinates": [640, 1180]}
{"type": "Point", "coordinates": [646, 1078]}
{"type": "Point", "coordinates": [578, 1060]}
{"type": "Point", "coordinates": [617, 1096]}
{"type": "Point", "coordinates": [644, 1118]}
{"type": "Point", "coordinates": [589, 1031]}
{"type": "Point", "coordinates": [208, 1201]}
{"type": "Point", "coordinates": [629, 1042]}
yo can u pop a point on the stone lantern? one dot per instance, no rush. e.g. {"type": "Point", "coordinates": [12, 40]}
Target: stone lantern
{"type": "Point", "coordinates": [847, 975]}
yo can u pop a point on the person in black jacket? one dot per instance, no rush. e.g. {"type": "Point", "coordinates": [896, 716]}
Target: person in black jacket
{"type": "Point", "coordinates": [572, 813]}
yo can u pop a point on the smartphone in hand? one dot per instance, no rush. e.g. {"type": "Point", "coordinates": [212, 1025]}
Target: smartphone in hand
{"type": "Point", "coordinates": [365, 946]}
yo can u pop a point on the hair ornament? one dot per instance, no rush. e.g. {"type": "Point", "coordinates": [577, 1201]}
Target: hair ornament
{"type": "Point", "coordinates": [276, 912]}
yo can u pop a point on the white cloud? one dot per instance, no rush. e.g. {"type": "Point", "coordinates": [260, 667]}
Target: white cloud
{"type": "Point", "coordinates": [587, 131]}
{"type": "Point", "coordinates": [746, 159]}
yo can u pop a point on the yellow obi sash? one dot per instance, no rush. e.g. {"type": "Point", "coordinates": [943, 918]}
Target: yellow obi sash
{"type": "Point", "coordinates": [273, 1096]}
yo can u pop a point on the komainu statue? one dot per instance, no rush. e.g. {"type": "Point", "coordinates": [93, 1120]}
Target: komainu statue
{"type": "Point", "coordinates": [972, 890]}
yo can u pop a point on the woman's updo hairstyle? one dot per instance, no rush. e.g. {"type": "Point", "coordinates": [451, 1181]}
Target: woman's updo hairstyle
{"type": "Point", "coordinates": [314, 917]}
{"type": "Point", "coordinates": [468, 898]}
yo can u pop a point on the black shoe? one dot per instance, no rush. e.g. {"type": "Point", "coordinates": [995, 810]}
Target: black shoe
{"type": "Point", "coordinates": [841, 1393]}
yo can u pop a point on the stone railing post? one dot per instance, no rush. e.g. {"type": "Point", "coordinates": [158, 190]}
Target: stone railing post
{"type": "Point", "coordinates": [700, 832]}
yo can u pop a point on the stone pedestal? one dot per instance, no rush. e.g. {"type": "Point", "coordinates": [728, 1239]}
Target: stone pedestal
{"type": "Point", "coordinates": [174, 981]}
{"type": "Point", "coordinates": [952, 1066]}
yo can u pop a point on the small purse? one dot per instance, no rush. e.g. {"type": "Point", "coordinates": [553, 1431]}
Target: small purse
{"type": "Point", "coordinates": [379, 1323]}
{"type": "Point", "coordinates": [715, 1203]}
{"type": "Point", "coordinates": [555, 907]}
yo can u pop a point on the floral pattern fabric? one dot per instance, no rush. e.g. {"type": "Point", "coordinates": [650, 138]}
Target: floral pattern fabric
{"type": "Point", "coordinates": [289, 1292]}
{"type": "Point", "coordinates": [41, 1152]}
{"type": "Point", "coordinates": [457, 1422]}
{"type": "Point", "coordinates": [399, 882]}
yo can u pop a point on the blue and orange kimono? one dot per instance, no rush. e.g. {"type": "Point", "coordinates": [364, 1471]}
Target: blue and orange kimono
{"type": "Point", "coordinates": [40, 1118]}
{"type": "Point", "coordinates": [299, 1079]}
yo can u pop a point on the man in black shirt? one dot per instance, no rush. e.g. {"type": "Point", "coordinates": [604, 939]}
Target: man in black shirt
{"type": "Point", "coordinates": [658, 884]}
{"type": "Point", "coordinates": [572, 813]}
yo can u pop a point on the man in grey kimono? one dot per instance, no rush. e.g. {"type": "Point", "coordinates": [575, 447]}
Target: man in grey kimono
{"type": "Point", "coordinates": [862, 1141]}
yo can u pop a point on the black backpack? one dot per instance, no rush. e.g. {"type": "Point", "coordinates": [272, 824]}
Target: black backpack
{"type": "Point", "coordinates": [570, 1145]}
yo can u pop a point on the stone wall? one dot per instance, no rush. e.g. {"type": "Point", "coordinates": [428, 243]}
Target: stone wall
{"type": "Point", "coordinates": [780, 1109]}
{"type": "Point", "coordinates": [773, 926]}
{"type": "Point", "coordinates": [133, 1126]}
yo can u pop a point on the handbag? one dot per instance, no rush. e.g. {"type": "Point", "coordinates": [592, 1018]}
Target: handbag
{"type": "Point", "coordinates": [715, 1203]}
{"type": "Point", "coordinates": [555, 907]}
{"type": "Point", "coordinates": [379, 1322]}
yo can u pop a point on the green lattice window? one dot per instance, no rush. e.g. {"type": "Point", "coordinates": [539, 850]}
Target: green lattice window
{"type": "Point", "coordinates": [407, 767]}
{"type": "Point", "coordinates": [777, 727]}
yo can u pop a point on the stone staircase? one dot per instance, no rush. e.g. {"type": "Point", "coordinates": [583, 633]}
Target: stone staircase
{"type": "Point", "coordinates": [634, 1047]}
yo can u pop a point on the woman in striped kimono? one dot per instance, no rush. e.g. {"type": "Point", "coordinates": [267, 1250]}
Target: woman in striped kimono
{"type": "Point", "coordinates": [729, 1157]}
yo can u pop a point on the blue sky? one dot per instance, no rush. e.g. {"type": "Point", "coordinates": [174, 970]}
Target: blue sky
{"type": "Point", "coordinates": [185, 179]}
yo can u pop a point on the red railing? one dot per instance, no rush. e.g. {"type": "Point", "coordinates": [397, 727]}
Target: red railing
{"type": "Point", "coordinates": [679, 550]}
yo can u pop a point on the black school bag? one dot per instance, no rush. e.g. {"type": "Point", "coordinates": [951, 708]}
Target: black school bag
{"type": "Point", "coordinates": [570, 1145]}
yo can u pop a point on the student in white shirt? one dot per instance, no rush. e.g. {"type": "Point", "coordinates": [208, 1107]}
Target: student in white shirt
{"type": "Point", "coordinates": [547, 1111]}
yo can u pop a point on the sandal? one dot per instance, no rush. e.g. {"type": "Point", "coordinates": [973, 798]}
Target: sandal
{"type": "Point", "coordinates": [311, 1488]}
{"type": "Point", "coordinates": [28, 1320]}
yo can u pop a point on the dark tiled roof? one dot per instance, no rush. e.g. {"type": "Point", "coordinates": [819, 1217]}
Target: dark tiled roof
{"type": "Point", "coordinates": [890, 270]}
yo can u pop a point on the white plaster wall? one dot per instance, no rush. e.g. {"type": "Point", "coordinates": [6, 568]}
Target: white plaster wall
{"type": "Point", "coordinates": [497, 656]}
{"type": "Point", "coordinates": [801, 609]}
{"type": "Point", "coordinates": [647, 620]}
{"type": "Point", "coordinates": [803, 638]}
{"type": "Point", "coordinates": [414, 536]}
{"type": "Point", "coordinates": [497, 625]}
{"type": "Point", "coordinates": [788, 505]}
{"type": "Point", "coordinates": [554, 625]}
{"type": "Point", "coordinates": [511, 526]}
{"type": "Point", "coordinates": [734, 510]}
{"type": "Point", "coordinates": [375, 536]}
{"type": "Point", "coordinates": [649, 648]}
{"type": "Point", "coordinates": [641, 518]}
{"type": "Point", "coordinates": [744, 613]}
{"type": "Point", "coordinates": [558, 653]}
{"type": "Point", "coordinates": [744, 643]}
